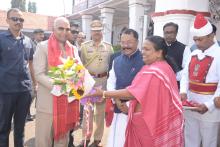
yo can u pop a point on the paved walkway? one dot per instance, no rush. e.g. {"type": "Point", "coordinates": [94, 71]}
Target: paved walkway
{"type": "Point", "coordinates": [30, 134]}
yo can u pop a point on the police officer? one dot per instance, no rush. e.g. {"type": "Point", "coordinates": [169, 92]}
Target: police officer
{"type": "Point", "coordinates": [95, 55]}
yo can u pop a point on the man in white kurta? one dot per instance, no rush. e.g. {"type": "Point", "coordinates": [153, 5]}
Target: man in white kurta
{"type": "Point", "coordinates": [200, 83]}
{"type": "Point", "coordinates": [124, 68]}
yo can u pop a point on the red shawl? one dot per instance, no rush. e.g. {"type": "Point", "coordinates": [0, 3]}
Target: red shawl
{"type": "Point", "coordinates": [65, 115]}
{"type": "Point", "coordinates": [155, 88]}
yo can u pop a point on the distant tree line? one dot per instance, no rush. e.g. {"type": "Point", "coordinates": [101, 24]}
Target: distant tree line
{"type": "Point", "coordinates": [21, 4]}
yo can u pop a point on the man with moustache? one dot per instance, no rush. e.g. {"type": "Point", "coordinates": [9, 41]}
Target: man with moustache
{"type": "Point", "coordinates": [124, 69]}
{"type": "Point", "coordinates": [16, 55]}
{"type": "Point", "coordinates": [53, 121]}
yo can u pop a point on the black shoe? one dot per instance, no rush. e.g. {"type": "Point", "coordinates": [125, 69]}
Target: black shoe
{"type": "Point", "coordinates": [96, 143]}
{"type": "Point", "coordinates": [71, 144]}
{"type": "Point", "coordinates": [29, 118]}
{"type": "Point", "coordinates": [82, 143]}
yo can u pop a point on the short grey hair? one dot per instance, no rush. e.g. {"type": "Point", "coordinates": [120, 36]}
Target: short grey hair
{"type": "Point", "coordinates": [60, 19]}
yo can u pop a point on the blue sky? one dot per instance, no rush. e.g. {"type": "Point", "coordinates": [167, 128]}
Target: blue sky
{"type": "Point", "coordinates": [46, 7]}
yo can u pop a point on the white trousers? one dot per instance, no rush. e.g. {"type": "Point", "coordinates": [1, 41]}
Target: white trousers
{"type": "Point", "coordinates": [199, 132]}
{"type": "Point", "coordinates": [118, 127]}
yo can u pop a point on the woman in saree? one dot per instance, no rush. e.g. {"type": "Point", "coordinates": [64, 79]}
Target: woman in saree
{"type": "Point", "coordinates": [155, 110]}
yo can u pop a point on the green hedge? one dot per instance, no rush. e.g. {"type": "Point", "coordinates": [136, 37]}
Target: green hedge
{"type": "Point", "coordinates": [116, 48]}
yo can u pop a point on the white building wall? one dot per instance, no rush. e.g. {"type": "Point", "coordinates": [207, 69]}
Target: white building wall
{"type": "Point", "coordinates": [185, 21]}
{"type": "Point", "coordinates": [196, 5]}
{"type": "Point", "coordinates": [116, 32]}
{"type": "Point", "coordinates": [218, 30]}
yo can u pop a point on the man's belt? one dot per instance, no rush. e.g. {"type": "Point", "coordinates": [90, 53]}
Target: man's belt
{"type": "Point", "coordinates": [203, 88]}
{"type": "Point", "coordinates": [101, 75]}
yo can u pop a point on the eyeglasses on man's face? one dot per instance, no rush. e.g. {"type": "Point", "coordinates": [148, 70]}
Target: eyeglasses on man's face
{"type": "Point", "coordinates": [63, 29]}
{"type": "Point", "coordinates": [17, 19]}
{"type": "Point", "coordinates": [74, 32]}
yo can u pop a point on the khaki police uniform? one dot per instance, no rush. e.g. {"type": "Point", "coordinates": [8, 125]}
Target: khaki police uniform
{"type": "Point", "coordinates": [99, 58]}
{"type": "Point", "coordinates": [96, 60]}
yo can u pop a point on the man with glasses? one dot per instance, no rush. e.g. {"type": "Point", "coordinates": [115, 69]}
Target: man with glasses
{"type": "Point", "coordinates": [72, 38]}
{"type": "Point", "coordinates": [95, 55]}
{"type": "Point", "coordinates": [175, 48]}
{"type": "Point", "coordinates": [16, 55]}
{"type": "Point", "coordinates": [74, 31]}
{"type": "Point", "coordinates": [123, 71]}
{"type": "Point", "coordinates": [80, 39]}
{"type": "Point", "coordinates": [52, 123]}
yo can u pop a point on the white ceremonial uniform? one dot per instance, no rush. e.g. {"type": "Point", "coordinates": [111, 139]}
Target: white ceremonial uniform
{"type": "Point", "coordinates": [202, 128]}
{"type": "Point", "coordinates": [118, 127]}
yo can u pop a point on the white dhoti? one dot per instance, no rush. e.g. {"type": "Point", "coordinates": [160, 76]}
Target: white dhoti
{"type": "Point", "coordinates": [199, 132]}
{"type": "Point", "coordinates": [117, 130]}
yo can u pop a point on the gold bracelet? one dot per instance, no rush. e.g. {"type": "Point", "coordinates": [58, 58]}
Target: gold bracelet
{"type": "Point", "coordinates": [103, 95]}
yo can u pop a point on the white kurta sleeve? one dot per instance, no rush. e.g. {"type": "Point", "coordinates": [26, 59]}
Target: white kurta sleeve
{"type": "Point", "coordinates": [184, 83]}
{"type": "Point", "coordinates": [186, 55]}
{"type": "Point", "coordinates": [76, 54]}
{"type": "Point", "coordinates": [111, 82]}
{"type": "Point", "coordinates": [210, 104]}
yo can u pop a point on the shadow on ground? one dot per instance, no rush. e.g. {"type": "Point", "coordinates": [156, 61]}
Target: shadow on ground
{"type": "Point", "coordinates": [30, 143]}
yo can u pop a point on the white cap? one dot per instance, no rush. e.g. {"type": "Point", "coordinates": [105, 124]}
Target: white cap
{"type": "Point", "coordinates": [201, 27]}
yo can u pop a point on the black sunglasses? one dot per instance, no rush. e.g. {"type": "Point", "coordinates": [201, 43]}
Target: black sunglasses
{"type": "Point", "coordinates": [62, 29]}
{"type": "Point", "coordinates": [16, 19]}
{"type": "Point", "coordinates": [74, 32]}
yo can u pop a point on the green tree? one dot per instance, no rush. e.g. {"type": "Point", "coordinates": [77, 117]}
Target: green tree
{"type": "Point", "coordinates": [20, 4]}
{"type": "Point", "coordinates": [32, 7]}
{"type": "Point", "coordinates": [23, 5]}
{"type": "Point", "coordinates": [29, 6]}
{"type": "Point", "coordinates": [15, 3]}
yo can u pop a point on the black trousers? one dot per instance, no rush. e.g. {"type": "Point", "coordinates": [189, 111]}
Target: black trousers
{"type": "Point", "coordinates": [71, 139]}
{"type": "Point", "coordinates": [81, 113]}
{"type": "Point", "coordinates": [16, 106]}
